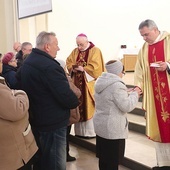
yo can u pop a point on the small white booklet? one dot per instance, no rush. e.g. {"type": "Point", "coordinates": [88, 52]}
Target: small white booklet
{"type": "Point", "coordinates": [154, 65]}
{"type": "Point", "coordinates": [88, 77]}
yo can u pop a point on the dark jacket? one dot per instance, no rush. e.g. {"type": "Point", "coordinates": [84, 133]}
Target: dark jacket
{"type": "Point", "coordinates": [46, 84]}
{"type": "Point", "coordinates": [9, 73]}
{"type": "Point", "coordinates": [19, 57]}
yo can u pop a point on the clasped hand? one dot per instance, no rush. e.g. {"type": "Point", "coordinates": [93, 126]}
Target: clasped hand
{"type": "Point", "coordinates": [79, 68]}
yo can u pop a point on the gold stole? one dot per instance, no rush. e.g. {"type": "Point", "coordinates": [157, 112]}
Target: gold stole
{"type": "Point", "coordinates": [160, 90]}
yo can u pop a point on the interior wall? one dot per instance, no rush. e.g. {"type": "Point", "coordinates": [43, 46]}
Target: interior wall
{"type": "Point", "coordinates": [8, 28]}
{"type": "Point", "coordinates": [30, 27]}
{"type": "Point", "coordinates": [108, 24]}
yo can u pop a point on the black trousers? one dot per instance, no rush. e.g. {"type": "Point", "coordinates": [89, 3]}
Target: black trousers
{"type": "Point", "coordinates": [67, 139]}
{"type": "Point", "coordinates": [109, 152]}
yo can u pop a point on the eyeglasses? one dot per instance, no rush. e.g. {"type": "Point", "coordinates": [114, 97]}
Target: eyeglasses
{"type": "Point", "coordinates": [13, 60]}
{"type": "Point", "coordinates": [123, 73]}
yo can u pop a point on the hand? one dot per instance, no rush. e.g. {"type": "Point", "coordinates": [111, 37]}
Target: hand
{"type": "Point", "coordinates": [74, 68]}
{"type": "Point", "coordinates": [79, 68]}
{"type": "Point", "coordinates": [163, 66]}
{"type": "Point", "coordinates": [130, 89]}
{"type": "Point", "coordinates": [138, 90]}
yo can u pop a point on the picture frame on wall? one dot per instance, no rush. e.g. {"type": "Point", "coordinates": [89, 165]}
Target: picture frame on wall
{"type": "Point", "coordinates": [28, 8]}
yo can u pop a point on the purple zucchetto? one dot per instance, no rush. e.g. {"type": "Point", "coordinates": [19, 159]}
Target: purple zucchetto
{"type": "Point", "coordinates": [82, 35]}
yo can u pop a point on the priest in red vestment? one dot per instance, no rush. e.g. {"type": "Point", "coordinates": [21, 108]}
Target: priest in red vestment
{"type": "Point", "coordinates": [152, 77]}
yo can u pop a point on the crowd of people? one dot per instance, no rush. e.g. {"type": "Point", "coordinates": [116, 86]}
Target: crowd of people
{"type": "Point", "coordinates": [41, 98]}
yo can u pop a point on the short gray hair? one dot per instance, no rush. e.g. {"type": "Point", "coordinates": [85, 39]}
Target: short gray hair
{"type": "Point", "coordinates": [43, 38]}
{"type": "Point", "coordinates": [147, 23]}
{"type": "Point", "coordinates": [24, 44]}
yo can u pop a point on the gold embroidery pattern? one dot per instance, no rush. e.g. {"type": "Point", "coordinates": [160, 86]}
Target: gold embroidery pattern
{"type": "Point", "coordinates": [160, 96]}
{"type": "Point", "coordinates": [79, 81]}
{"type": "Point", "coordinates": [81, 61]}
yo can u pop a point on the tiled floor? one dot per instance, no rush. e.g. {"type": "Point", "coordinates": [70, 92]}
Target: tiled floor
{"type": "Point", "coordinates": [85, 160]}
{"type": "Point", "coordinates": [138, 148]}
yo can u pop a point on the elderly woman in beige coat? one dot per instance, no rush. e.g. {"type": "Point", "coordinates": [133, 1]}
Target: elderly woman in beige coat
{"type": "Point", "coordinates": [17, 143]}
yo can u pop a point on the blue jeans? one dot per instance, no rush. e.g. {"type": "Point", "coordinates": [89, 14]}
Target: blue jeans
{"type": "Point", "coordinates": [52, 149]}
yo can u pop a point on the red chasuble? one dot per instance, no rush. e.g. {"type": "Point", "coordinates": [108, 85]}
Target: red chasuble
{"type": "Point", "coordinates": [160, 90]}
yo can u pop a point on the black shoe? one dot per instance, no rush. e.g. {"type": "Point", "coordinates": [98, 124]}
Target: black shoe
{"type": "Point", "coordinates": [70, 158]}
{"type": "Point", "coordinates": [86, 137]}
{"type": "Point", "coordinates": [165, 167]}
{"type": "Point", "coordinates": [162, 167]}
{"type": "Point", "coordinates": [155, 168]}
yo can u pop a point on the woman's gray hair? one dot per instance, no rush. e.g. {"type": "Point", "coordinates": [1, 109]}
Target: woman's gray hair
{"type": "Point", "coordinates": [147, 23]}
{"type": "Point", "coordinates": [43, 38]}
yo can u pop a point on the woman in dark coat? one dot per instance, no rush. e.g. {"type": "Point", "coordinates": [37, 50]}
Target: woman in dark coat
{"type": "Point", "coordinates": [9, 70]}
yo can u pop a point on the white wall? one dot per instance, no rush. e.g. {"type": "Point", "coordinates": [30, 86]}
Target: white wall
{"type": "Point", "coordinates": [107, 23]}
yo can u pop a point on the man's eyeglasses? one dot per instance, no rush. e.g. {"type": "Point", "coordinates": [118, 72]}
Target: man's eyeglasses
{"type": "Point", "coordinates": [123, 73]}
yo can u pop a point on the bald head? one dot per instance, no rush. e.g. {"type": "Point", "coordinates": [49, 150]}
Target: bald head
{"type": "Point", "coordinates": [17, 46]}
{"type": "Point", "coordinates": [82, 42]}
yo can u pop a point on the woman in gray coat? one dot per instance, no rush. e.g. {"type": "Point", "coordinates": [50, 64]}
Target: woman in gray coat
{"type": "Point", "coordinates": [112, 102]}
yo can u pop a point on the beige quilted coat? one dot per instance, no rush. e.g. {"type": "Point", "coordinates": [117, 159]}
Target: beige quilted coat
{"type": "Point", "coordinates": [17, 144]}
